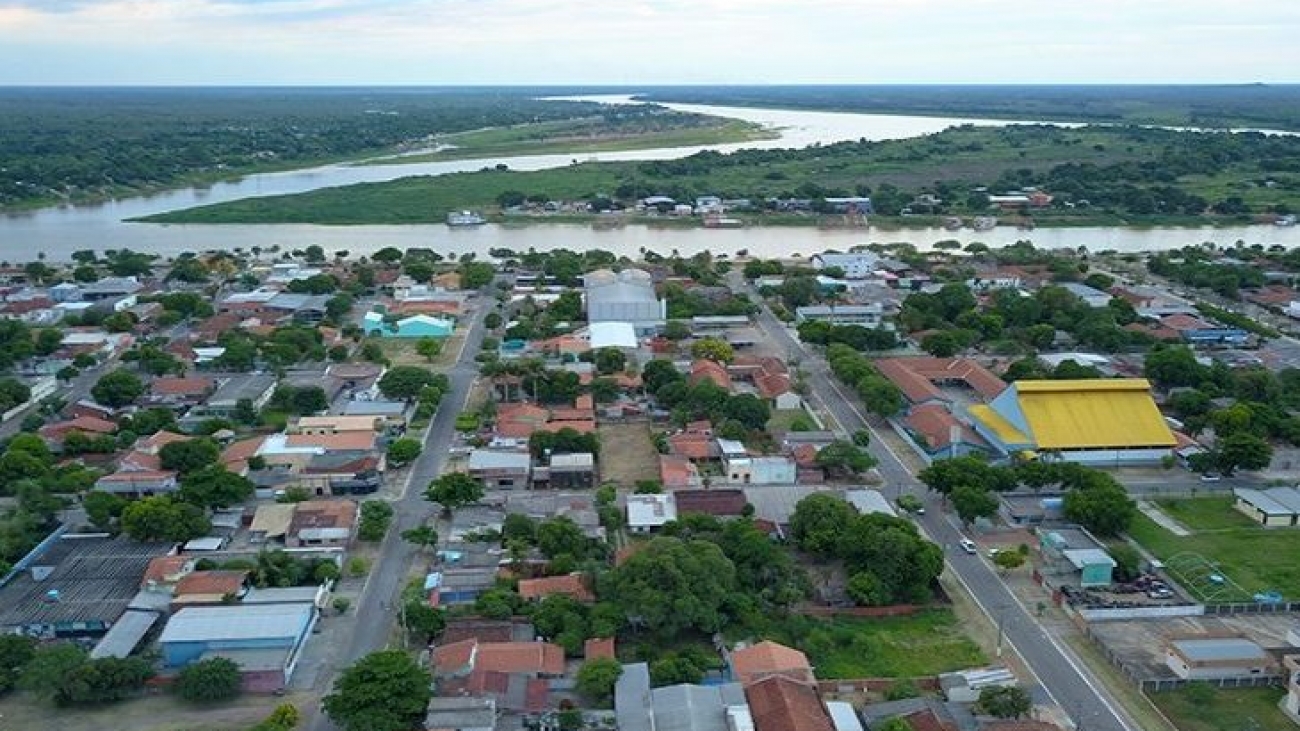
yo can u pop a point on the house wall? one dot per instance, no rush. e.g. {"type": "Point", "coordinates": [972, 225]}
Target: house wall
{"type": "Point", "coordinates": [1249, 510]}
{"type": "Point", "coordinates": [1095, 575]}
{"type": "Point", "coordinates": [180, 654]}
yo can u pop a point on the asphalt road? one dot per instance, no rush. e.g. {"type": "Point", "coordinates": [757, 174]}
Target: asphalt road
{"type": "Point", "coordinates": [1060, 679]}
{"type": "Point", "coordinates": [383, 588]}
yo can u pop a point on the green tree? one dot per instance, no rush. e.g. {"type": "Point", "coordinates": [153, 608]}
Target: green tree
{"type": "Point", "coordinates": [941, 344]}
{"type": "Point", "coordinates": [1102, 506]}
{"type": "Point", "coordinates": [845, 458]}
{"type": "Point", "coordinates": [713, 349]}
{"type": "Point", "coordinates": [747, 409]}
{"type": "Point", "coordinates": [404, 451]}
{"type": "Point", "coordinates": [48, 666]}
{"type": "Point", "coordinates": [159, 518]}
{"type": "Point", "coordinates": [899, 723]}
{"type": "Point", "coordinates": [454, 490]}
{"type": "Point", "coordinates": [671, 585]}
{"type": "Point", "coordinates": [189, 456]}
{"type": "Point", "coordinates": [215, 487]}
{"type": "Point", "coordinates": [209, 681]}
{"type": "Point", "coordinates": [403, 383]}
{"type": "Point", "coordinates": [971, 502]}
{"type": "Point", "coordinates": [117, 389]}
{"type": "Point", "coordinates": [1009, 560]}
{"type": "Point", "coordinates": [596, 679]}
{"type": "Point", "coordinates": [866, 589]}
{"type": "Point", "coordinates": [1011, 702]}
{"type": "Point", "coordinates": [1243, 451]}
{"type": "Point", "coordinates": [423, 536]}
{"type": "Point", "coordinates": [818, 522]}
{"type": "Point", "coordinates": [104, 680]}
{"type": "Point", "coordinates": [429, 348]}
{"type": "Point", "coordinates": [609, 361]}
{"type": "Point", "coordinates": [15, 652]}
{"type": "Point", "coordinates": [375, 518]}
{"type": "Point", "coordinates": [560, 536]}
{"type": "Point", "coordinates": [1171, 366]}
{"type": "Point", "coordinates": [423, 621]}
{"type": "Point", "coordinates": [945, 475]}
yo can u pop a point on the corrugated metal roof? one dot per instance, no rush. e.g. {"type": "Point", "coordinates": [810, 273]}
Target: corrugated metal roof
{"type": "Point", "coordinates": [263, 621]}
{"type": "Point", "coordinates": [1093, 414]}
{"type": "Point", "coordinates": [1004, 430]}
{"type": "Point", "coordinates": [125, 634]}
{"type": "Point", "coordinates": [1212, 649]}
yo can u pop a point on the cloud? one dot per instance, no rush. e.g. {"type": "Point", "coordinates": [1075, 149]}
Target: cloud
{"type": "Point", "coordinates": [643, 41]}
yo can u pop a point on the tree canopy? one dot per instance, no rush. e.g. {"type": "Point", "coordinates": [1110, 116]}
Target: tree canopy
{"type": "Point", "coordinates": [672, 585]}
{"type": "Point", "coordinates": [383, 691]}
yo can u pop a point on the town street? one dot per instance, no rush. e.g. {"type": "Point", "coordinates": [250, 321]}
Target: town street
{"type": "Point", "coordinates": [375, 607]}
{"type": "Point", "coordinates": [1074, 690]}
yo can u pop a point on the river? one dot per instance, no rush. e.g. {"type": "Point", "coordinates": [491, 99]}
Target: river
{"type": "Point", "coordinates": [59, 231]}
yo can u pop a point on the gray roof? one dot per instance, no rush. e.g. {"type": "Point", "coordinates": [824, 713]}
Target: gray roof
{"type": "Point", "coordinates": [125, 634]}
{"type": "Point", "coordinates": [815, 310]}
{"type": "Point", "coordinates": [1213, 649]}
{"type": "Point", "coordinates": [487, 459]}
{"type": "Point", "coordinates": [461, 713]}
{"type": "Point", "coordinates": [249, 386]}
{"type": "Point", "coordinates": [281, 595]}
{"type": "Point", "coordinates": [95, 577]}
{"type": "Point", "coordinates": [1277, 501]}
{"type": "Point", "coordinates": [374, 408]}
{"type": "Point", "coordinates": [113, 285]}
{"type": "Point", "coordinates": [1082, 290]}
{"type": "Point", "coordinates": [578, 460]}
{"type": "Point", "coordinates": [298, 302]}
{"type": "Point", "coordinates": [632, 698]}
{"type": "Point", "coordinates": [694, 707]}
{"type": "Point", "coordinates": [256, 622]}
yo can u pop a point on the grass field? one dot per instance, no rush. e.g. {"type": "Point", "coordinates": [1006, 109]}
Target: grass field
{"type": "Point", "coordinates": [627, 454]}
{"type": "Point", "coordinates": [781, 420]}
{"type": "Point", "coordinates": [1255, 558]}
{"type": "Point", "coordinates": [163, 712]}
{"type": "Point", "coordinates": [1206, 513]}
{"type": "Point", "coordinates": [576, 137]}
{"type": "Point", "coordinates": [926, 643]}
{"type": "Point", "coordinates": [1211, 709]}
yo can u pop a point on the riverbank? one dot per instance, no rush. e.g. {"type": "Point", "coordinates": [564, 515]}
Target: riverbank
{"type": "Point", "coordinates": [577, 139]}
{"type": "Point", "coordinates": [1094, 176]}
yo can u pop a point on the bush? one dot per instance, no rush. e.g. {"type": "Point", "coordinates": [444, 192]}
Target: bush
{"type": "Point", "coordinates": [376, 515]}
{"type": "Point", "coordinates": [209, 681]}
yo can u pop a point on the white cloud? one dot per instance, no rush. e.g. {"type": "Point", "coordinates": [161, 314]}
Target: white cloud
{"type": "Point", "coordinates": [644, 41]}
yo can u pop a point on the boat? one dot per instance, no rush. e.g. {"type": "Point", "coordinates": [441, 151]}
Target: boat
{"type": "Point", "coordinates": [984, 223]}
{"type": "Point", "coordinates": [465, 218]}
{"type": "Point", "coordinates": [1287, 220]}
{"type": "Point", "coordinates": [714, 220]}
{"type": "Point", "coordinates": [952, 223]}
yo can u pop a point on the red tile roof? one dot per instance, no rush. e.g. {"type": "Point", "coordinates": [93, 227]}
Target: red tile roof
{"type": "Point", "coordinates": [192, 386]}
{"type": "Point", "coordinates": [162, 567]}
{"type": "Point", "coordinates": [934, 422]}
{"type": "Point", "coordinates": [692, 446]}
{"type": "Point", "coordinates": [455, 656]}
{"type": "Point", "coordinates": [220, 583]}
{"type": "Point", "coordinates": [779, 703]}
{"type": "Point", "coordinates": [720, 503]}
{"type": "Point", "coordinates": [916, 377]}
{"type": "Point", "coordinates": [711, 371]}
{"type": "Point", "coordinates": [676, 470]}
{"type": "Point", "coordinates": [770, 658]}
{"type": "Point", "coordinates": [599, 647]}
{"type": "Point", "coordinates": [573, 585]}
{"type": "Point", "coordinates": [520, 657]}
{"type": "Point", "coordinates": [771, 385]}
{"type": "Point", "coordinates": [84, 424]}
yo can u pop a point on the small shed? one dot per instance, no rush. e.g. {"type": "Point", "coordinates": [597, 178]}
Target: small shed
{"type": "Point", "coordinates": [1095, 565]}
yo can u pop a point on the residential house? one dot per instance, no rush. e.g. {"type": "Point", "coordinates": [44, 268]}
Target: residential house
{"type": "Point", "coordinates": [56, 432]}
{"type": "Point", "coordinates": [647, 513]}
{"type": "Point", "coordinates": [1091, 296]}
{"type": "Point", "coordinates": [321, 523]}
{"type": "Point", "coordinates": [178, 392]}
{"type": "Point", "coordinates": [414, 326]}
{"type": "Point", "coordinates": [720, 503]}
{"type": "Point", "coordinates": [681, 707]}
{"type": "Point", "coordinates": [709, 370]}
{"type": "Point", "coordinates": [1218, 658]}
{"type": "Point", "coordinates": [209, 587]}
{"type": "Point", "coordinates": [317, 425]}
{"type": "Point", "coordinates": [572, 585]}
{"type": "Point", "coordinates": [781, 703]}
{"type": "Point", "coordinates": [256, 389]}
{"type": "Point", "coordinates": [137, 484]}
{"type": "Point", "coordinates": [572, 471]}
{"type": "Point", "coordinates": [501, 470]}
{"type": "Point", "coordinates": [677, 471]}
{"type": "Point", "coordinates": [767, 658]}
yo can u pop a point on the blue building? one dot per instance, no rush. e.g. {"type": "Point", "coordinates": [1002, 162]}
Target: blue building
{"type": "Point", "coordinates": [415, 326]}
{"type": "Point", "coordinates": [266, 640]}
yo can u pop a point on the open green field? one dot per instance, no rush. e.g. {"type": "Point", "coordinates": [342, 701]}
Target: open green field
{"type": "Point", "coordinates": [1255, 558]}
{"type": "Point", "coordinates": [1212, 709]}
{"type": "Point", "coordinates": [1206, 513]}
{"type": "Point", "coordinates": [926, 643]}
{"type": "Point", "coordinates": [891, 171]}
{"type": "Point", "coordinates": [587, 136]}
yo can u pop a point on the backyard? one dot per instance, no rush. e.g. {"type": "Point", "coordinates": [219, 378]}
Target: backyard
{"type": "Point", "coordinates": [1255, 558]}
{"type": "Point", "coordinates": [1206, 708]}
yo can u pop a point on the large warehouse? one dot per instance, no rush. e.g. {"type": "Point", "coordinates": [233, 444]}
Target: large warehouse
{"type": "Point", "coordinates": [628, 296]}
{"type": "Point", "coordinates": [1108, 421]}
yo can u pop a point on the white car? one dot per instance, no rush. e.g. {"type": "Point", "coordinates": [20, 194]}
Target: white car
{"type": "Point", "coordinates": [968, 546]}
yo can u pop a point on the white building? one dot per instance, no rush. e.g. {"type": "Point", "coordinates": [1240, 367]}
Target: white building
{"type": "Point", "coordinates": [1090, 295]}
{"type": "Point", "coordinates": [866, 315]}
{"type": "Point", "coordinates": [646, 513]}
{"type": "Point", "coordinates": [628, 296]}
{"type": "Point", "coordinates": [856, 266]}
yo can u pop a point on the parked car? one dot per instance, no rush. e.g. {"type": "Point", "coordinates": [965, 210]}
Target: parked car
{"type": "Point", "coordinates": [968, 546]}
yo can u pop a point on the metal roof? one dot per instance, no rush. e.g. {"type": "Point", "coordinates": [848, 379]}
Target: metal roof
{"type": "Point", "coordinates": [694, 707]}
{"type": "Point", "coordinates": [1275, 501]}
{"type": "Point", "coordinates": [1212, 649]}
{"type": "Point", "coordinates": [869, 501]}
{"type": "Point", "coordinates": [125, 634]}
{"type": "Point", "coordinates": [487, 459]}
{"type": "Point", "coordinates": [1084, 557]}
{"type": "Point", "coordinates": [612, 335]}
{"type": "Point", "coordinates": [1106, 413]}
{"type": "Point", "coordinates": [256, 622]}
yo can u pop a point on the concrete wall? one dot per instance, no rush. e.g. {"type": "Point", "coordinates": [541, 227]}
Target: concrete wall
{"type": "Point", "coordinates": [1152, 612]}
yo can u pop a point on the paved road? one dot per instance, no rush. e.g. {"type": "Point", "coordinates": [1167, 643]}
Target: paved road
{"type": "Point", "coordinates": [383, 588]}
{"type": "Point", "coordinates": [1060, 678]}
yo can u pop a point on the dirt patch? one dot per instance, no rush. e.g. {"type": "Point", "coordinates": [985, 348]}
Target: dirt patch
{"type": "Point", "coordinates": [22, 711]}
{"type": "Point", "coordinates": [627, 454]}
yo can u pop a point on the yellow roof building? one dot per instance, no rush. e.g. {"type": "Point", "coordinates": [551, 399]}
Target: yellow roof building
{"type": "Point", "coordinates": [1075, 415]}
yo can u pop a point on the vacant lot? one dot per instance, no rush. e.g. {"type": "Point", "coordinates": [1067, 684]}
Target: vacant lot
{"type": "Point", "coordinates": [1255, 558]}
{"type": "Point", "coordinates": [1206, 513]}
{"type": "Point", "coordinates": [926, 643]}
{"type": "Point", "coordinates": [149, 713]}
{"type": "Point", "coordinates": [1206, 708]}
{"type": "Point", "coordinates": [627, 454]}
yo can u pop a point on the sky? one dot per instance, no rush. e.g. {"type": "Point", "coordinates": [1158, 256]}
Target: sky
{"type": "Point", "coordinates": [642, 42]}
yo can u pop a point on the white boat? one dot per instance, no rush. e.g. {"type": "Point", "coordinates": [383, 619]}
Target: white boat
{"type": "Point", "coordinates": [465, 218]}
{"type": "Point", "coordinates": [1287, 220]}
{"type": "Point", "coordinates": [984, 223]}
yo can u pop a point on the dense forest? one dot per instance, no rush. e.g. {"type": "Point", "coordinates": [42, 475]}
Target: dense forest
{"type": "Point", "coordinates": [1096, 175]}
{"type": "Point", "coordinates": [1245, 105]}
{"type": "Point", "coordinates": [84, 144]}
